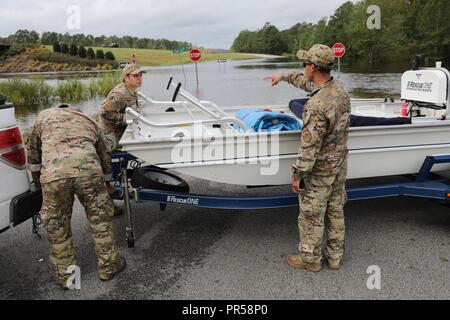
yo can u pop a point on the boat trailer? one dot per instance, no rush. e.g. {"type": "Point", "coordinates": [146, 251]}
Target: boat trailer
{"type": "Point", "coordinates": [424, 184]}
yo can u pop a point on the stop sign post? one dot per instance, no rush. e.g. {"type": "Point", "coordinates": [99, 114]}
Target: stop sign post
{"type": "Point", "coordinates": [195, 56]}
{"type": "Point", "coordinates": [338, 51]}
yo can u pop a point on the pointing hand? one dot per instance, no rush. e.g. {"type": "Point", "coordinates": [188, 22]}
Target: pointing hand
{"type": "Point", "coordinates": [275, 79]}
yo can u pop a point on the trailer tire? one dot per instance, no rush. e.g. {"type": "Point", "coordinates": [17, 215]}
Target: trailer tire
{"type": "Point", "coordinates": [158, 179]}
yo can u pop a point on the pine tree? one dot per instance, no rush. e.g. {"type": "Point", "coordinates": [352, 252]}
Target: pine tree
{"type": "Point", "coordinates": [90, 54]}
{"type": "Point", "coordinates": [99, 54]}
{"type": "Point", "coordinates": [73, 51]}
{"type": "Point", "coordinates": [82, 52]}
{"type": "Point", "coordinates": [56, 47]}
{"type": "Point", "coordinates": [110, 56]}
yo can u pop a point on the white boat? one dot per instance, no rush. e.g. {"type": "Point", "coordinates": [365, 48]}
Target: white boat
{"type": "Point", "coordinates": [200, 139]}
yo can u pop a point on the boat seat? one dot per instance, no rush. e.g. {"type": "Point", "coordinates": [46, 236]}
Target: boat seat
{"type": "Point", "coordinates": [297, 106]}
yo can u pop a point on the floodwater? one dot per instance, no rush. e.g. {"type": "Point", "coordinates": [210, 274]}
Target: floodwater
{"type": "Point", "coordinates": [242, 83]}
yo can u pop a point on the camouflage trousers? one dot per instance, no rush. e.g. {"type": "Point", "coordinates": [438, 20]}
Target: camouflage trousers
{"type": "Point", "coordinates": [56, 214]}
{"type": "Point", "coordinates": [322, 208]}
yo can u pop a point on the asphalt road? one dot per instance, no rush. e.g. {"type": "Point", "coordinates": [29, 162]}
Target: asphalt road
{"type": "Point", "coordinates": [191, 253]}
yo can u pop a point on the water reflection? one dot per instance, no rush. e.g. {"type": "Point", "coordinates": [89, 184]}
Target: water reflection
{"type": "Point", "coordinates": [374, 93]}
{"type": "Point", "coordinates": [26, 115]}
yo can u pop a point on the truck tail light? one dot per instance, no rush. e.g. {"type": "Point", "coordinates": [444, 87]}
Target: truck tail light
{"type": "Point", "coordinates": [11, 147]}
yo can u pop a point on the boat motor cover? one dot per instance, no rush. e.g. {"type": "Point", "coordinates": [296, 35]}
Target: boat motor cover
{"type": "Point", "coordinates": [430, 86]}
{"type": "Point", "coordinates": [297, 106]}
{"type": "Point", "coordinates": [264, 120]}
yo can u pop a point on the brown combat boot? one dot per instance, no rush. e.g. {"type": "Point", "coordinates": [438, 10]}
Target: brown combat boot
{"type": "Point", "coordinates": [333, 264]}
{"type": "Point", "coordinates": [121, 264]}
{"type": "Point", "coordinates": [296, 261]}
{"type": "Point", "coordinates": [62, 284]}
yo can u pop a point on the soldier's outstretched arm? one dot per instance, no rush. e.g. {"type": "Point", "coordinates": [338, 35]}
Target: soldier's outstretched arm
{"type": "Point", "coordinates": [313, 132]}
{"type": "Point", "coordinates": [298, 80]}
{"type": "Point", "coordinates": [275, 79]}
{"type": "Point", "coordinates": [34, 153]}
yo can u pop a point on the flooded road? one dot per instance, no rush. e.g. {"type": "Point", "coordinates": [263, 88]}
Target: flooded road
{"type": "Point", "coordinates": [242, 83]}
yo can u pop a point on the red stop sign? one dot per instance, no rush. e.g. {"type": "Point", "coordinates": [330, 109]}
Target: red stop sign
{"type": "Point", "coordinates": [338, 50]}
{"type": "Point", "coordinates": [195, 54]}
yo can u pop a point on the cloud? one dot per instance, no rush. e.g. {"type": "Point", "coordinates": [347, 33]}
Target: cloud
{"type": "Point", "coordinates": [209, 23]}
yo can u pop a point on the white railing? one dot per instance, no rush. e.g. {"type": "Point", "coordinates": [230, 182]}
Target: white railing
{"type": "Point", "coordinates": [214, 113]}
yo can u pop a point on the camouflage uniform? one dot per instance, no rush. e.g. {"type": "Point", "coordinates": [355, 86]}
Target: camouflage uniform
{"type": "Point", "coordinates": [322, 162]}
{"type": "Point", "coordinates": [112, 119]}
{"type": "Point", "coordinates": [112, 115]}
{"type": "Point", "coordinates": [72, 155]}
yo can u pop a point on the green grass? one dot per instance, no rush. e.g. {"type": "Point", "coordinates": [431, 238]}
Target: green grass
{"type": "Point", "coordinates": [100, 87]}
{"type": "Point", "coordinates": [150, 57]}
{"type": "Point", "coordinates": [27, 92]}
{"type": "Point", "coordinates": [36, 92]}
{"type": "Point", "coordinates": [71, 90]}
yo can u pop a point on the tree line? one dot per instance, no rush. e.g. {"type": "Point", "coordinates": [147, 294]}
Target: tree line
{"type": "Point", "coordinates": [407, 27]}
{"type": "Point", "coordinates": [27, 37]}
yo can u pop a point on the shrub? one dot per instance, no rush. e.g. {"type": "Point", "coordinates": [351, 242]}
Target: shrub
{"type": "Point", "coordinates": [73, 51]}
{"type": "Point", "coordinates": [82, 52]}
{"type": "Point", "coordinates": [109, 56]}
{"type": "Point", "coordinates": [100, 55]}
{"type": "Point", "coordinates": [15, 50]}
{"type": "Point", "coordinates": [44, 55]}
{"type": "Point", "coordinates": [56, 47]}
{"type": "Point", "coordinates": [90, 54]}
{"type": "Point", "coordinates": [64, 48]}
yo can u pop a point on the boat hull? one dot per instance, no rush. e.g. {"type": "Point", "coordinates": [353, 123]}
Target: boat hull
{"type": "Point", "coordinates": [266, 158]}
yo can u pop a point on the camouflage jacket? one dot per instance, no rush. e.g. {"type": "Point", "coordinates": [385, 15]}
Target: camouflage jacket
{"type": "Point", "coordinates": [112, 113]}
{"type": "Point", "coordinates": [326, 117]}
{"type": "Point", "coordinates": [65, 143]}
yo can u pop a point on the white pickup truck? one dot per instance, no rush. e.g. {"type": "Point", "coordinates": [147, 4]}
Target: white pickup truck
{"type": "Point", "coordinates": [17, 202]}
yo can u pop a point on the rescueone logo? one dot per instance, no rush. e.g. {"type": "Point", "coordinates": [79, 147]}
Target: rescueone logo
{"type": "Point", "coordinates": [419, 86]}
{"type": "Point", "coordinates": [191, 201]}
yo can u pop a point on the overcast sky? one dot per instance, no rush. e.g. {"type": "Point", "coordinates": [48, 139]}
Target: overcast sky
{"type": "Point", "coordinates": [207, 23]}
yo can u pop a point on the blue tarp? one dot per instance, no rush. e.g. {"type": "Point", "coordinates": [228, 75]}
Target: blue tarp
{"type": "Point", "coordinates": [260, 120]}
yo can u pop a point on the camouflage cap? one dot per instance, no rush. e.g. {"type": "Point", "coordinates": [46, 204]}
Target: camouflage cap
{"type": "Point", "coordinates": [131, 68]}
{"type": "Point", "coordinates": [319, 54]}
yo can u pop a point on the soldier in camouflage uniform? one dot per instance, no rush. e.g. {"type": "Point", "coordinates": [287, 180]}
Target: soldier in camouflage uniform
{"type": "Point", "coordinates": [122, 96]}
{"type": "Point", "coordinates": [68, 155]}
{"type": "Point", "coordinates": [319, 173]}
{"type": "Point", "coordinates": [112, 114]}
